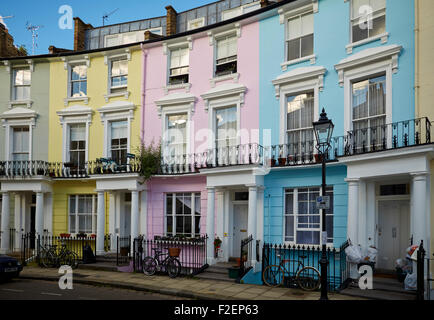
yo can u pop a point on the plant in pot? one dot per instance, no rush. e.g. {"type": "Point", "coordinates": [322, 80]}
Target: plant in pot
{"type": "Point", "coordinates": [217, 245]}
{"type": "Point", "coordinates": [81, 235]}
{"type": "Point", "coordinates": [65, 235]}
{"type": "Point", "coordinates": [150, 159]}
{"type": "Point", "coordinates": [282, 160]}
{"type": "Point", "coordinates": [318, 157]}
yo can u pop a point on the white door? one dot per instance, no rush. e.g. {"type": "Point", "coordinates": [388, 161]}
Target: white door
{"type": "Point", "coordinates": [239, 227]}
{"type": "Point", "coordinates": [393, 232]}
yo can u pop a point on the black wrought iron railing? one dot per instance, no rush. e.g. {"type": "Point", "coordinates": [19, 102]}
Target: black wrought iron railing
{"type": "Point", "coordinates": [123, 252]}
{"type": "Point", "coordinates": [292, 258]}
{"type": "Point", "coordinates": [193, 255]}
{"type": "Point", "coordinates": [246, 257]}
{"type": "Point", "coordinates": [246, 154]}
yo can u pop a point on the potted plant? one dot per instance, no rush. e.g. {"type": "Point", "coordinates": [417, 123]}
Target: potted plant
{"type": "Point", "coordinates": [318, 157]}
{"type": "Point", "coordinates": [217, 245]}
{"type": "Point", "coordinates": [150, 160]}
{"type": "Point", "coordinates": [93, 236]}
{"type": "Point", "coordinates": [282, 160]}
{"type": "Point", "coordinates": [81, 235]}
{"type": "Point", "coordinates": [65, 235]}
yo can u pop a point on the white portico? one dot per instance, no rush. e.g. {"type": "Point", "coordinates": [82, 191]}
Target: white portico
{"type": "Point", "coordinates": [235, 209]}
{"type": "Point", "coordinates": [388, 201]}
{"type": "Point", "coordinates": [127, 207]}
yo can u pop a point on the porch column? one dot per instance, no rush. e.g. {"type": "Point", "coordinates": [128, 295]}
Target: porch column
{"type": "Point", "coordinates": [419, 212]}
{"type": "Point", "coordinates": [100, 232]}
{"type": "Point", "coordinates": [252, 217]}
{"type": "Point", "coordinates": [353, 210]}
{"type": "Point", "coordinates": [39, 215]}
{"type": "Point", "coordinates": [210, 219]}
{"type": "Point", "coordinates": [5, 224]}
{"type": "Point", "coordinates": [135, 222]}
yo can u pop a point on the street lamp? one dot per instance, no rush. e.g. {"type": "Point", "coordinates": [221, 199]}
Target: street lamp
{"type": "Point", "coordinates": [323, 129]}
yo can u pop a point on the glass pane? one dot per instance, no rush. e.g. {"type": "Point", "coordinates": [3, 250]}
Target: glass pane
{"type": "Point", "coordinates": [293, 49]}
{"type": "Point", "coordinates": [169, 225]}
{"type": "Point", "coordinates": [79, 72]}
{"type": "Point", "coordinates": [357, 7]}
{"type": "Point", "coordinates": [197, 225]}
{"type": "Point", "coordinates": [308, 237]}
{"type": "Point", "coordinates": [360, 99]}
{"type": "Point", "coordinates": [360, 31]}
{"type": "Point", "coordinates": [197, 205]}
{"type": "Point", "coordinates": [180, 225]}
{"type": "Point", "coordinates": [119, 129]}
{"type": "Point", "coordinates": [378, 26]}
{"type": "Point", "coordinates": [294, 28]}
{"type": "Point", "coordinates": [307, 46]}
{"type": "Point", "coordinates": [72, 204]}
{"type": "Point", "coordinates": [179, 204]}
{"type": "Point", "coordinates": [187, 225]}
{"type": "Point", "coordinates": [289, 205]}
{"type": "Point", "coordinates": [78, 132]}
{"type": "Point", "coordinates": [72, 223]}
{"type": "Point", "coordinates": [289, 228]}
{"type": "Point", "coordinates": [307, 25]}
{"type": "Point", "coordinates": [79, 89]}
{"type": "Point", "coordinates": [226, 126]}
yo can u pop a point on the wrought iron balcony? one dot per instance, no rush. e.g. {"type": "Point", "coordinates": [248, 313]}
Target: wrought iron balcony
{"type": "Point", "coordinates": [246, 154]}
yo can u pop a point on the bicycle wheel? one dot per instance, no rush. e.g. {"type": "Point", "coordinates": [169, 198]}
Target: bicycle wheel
{"type": "Point", "coordinates": [173, 267]}
{"type": "Point", "coordinates": [44, 259]}
{"type": "Point", "coordinates": [149, 266]}
{"type": "Point", "coordinates": [309, 279]}
{"type": "Point", "coordinates": [273, 276]}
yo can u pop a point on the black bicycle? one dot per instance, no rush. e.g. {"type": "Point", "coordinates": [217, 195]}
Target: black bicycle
{"type": "Point", "coordinates": [170, 263]}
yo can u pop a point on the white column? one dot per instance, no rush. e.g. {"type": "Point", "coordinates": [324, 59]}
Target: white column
{"type": "Point", "coordinates": [101, 224]}
{"type": "Point", "coordinates": [112, 220]}
{"type": "Point", "coordinates": [135, 221]}
{"type": "Point", "coordinates": [419, 212]}
{"type": "Point", "coordinates": [353, 210]}
{"type": "Point", "coordinates": [18, 221]}
{"type": "Point", "coordinates": [39, 216]}
{"type": "Point", "coordinates": [5, 223]}
{"type": "Point", "coordinates": [210, 218]}
{"type": "Point", "coordinates": [252, 218]}
{"type": "Point", "coordinates": [144, 213]}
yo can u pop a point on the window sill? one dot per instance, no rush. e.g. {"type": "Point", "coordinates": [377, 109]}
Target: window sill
{"type": "Point", "coordinates": [68, 100]}
{"type": "Point", "coordinates": [125, 94]}
{"type": "Point", "coordinates": [233, 76]}
{"type": "Point", "coordinates": [27, 102]}
{"type": "Point", "coordinates": [384, 37]}
{"type": "Point", "coordinates": [186, 86]}
{"type": "Point", "coordinates": [285, 64]}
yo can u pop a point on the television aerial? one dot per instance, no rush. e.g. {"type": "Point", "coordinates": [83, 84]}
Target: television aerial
{"type": "Point", "coordinates": [34, 30]}
{"type": "Point", "coordinates": [2, 20]}
{"type": "Point", "coordinates": [107, 15]}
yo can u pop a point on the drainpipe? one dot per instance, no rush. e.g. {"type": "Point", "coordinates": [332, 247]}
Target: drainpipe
{"type": "Point", "coordinates": [417, 58]}
{"type": "Point", "coordinates": [144, 55]}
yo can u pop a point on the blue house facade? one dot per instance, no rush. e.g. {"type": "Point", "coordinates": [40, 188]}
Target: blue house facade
{"type": "Point", "coordinates": [355, 59]}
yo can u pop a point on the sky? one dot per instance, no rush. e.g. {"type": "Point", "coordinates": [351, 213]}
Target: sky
{"type": "Point", "coordinates": [46, 13]}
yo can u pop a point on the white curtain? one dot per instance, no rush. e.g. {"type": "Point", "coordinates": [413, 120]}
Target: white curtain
{"type": "Point", "coordinates": [226, 47]}
{"type": "Point", "coordinates": [119, 130]}
{"type": "Point", "coordinates": [78, 132]}
{"type": "Point", "coordinates": [179, 58]}
{"type": "Point", "coordinates": [300, 26]}
{"type": "Point", "coordinates": [226, 127]}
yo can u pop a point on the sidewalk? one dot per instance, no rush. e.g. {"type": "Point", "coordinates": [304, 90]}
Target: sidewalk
{"type": "Point", "coordinates": [181, 287]}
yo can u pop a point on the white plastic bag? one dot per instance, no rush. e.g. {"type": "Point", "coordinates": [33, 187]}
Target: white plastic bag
{"type": "Point", "coordinates": [410, 281]}
{"type": "Point", "coordinates": [354, 254]}
{"type": "Point", "coordinates": [372, 254]}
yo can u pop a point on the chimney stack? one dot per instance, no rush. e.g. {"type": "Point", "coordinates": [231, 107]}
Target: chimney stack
{"type": "Point", "coordinates": [264, 3]}
{"type": "Point", "coordinates": [171, 21]}
{"type": "Point", "coordinates": [80, 34]}
{"type": "Point", "coordinates": [7, 47]}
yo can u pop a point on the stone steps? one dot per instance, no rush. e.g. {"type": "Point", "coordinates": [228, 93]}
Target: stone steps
{"type": "Point", "coordinates": [217, 272]}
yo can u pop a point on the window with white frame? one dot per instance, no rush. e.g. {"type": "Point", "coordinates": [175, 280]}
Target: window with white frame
{"type": "Point", "coordinates": [369, 110]}
{"type": "Point", "coordinates": [77, 144]}
{"type": "Point", "coordinates": [226, 55]}
{"type": "Point", "coordinates": [300, 37]}
{"type": "Point", "coordinates": [20, 144]}
{"type": "Point", "coordinates": [78, 81]}
{"type": "Point", "coordinates": [303, 223]}
{"type": "Point", "coordinates": [195, 23]}
{"type": "Point", "coordinates": [118, 75]}
{"type": "Point", "coordinates": [368, 19]}
{"type": "Point", "coordinates": [183, 213]}
{"type": "Point", "coordinates": [235, 12]}
{"type": "Point", "coordinates": [129, 37]}
{"type": "Point", "coordinates": [179, 65]}
{"type": "Point", "coordinates": [119, 141]}
{"type": "Point", "coordinates": [226, 127]}
{"type": "Point", "coordinates": [21, 84]}
{"type": "Point", "coordinates": [299, 119]}
{"type": "Point", "coordinates": [176, 134]}
{"type": "Point", "coordinates": [81, 210]}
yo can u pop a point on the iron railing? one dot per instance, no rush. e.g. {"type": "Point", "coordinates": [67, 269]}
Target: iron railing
{"type": "Point", "coordinates": [123, 250]}
{"type": "Point", "coordinates": [337, 271]}
{"type": "Point", "coordinates": [246, 154]}
{"type": "Point", "coordinates": [192, 256]}
{"type": "Point", "coordinates": [246, 258]}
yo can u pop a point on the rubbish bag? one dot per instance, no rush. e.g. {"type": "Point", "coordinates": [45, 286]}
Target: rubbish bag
{"type": "Point", "coordinates": [88, 256]}
{"type": "Point", "coordinates": [354, 254]}
{"type": "Point", "coordinates": [410, 282]}
{"type": "Point", "coordinates": [372, 254]}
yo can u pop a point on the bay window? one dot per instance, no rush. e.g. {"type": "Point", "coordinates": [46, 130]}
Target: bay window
{"type": "Point", "coordinates": [82, 208]}
{"type": "Point", "coordinates": [368, 19]}
{"type": "Point", "coordinates": [300, 37]}
{"type": "Point", "coordinates": [21, 84]}
{"type": "Point", "coordinates": [183, 213]}
{"type": "Point", "coordinates": [302, 220]}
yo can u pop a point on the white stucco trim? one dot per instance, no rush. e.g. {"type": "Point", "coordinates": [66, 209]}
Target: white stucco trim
{"type": "Point", "coordinates": [295, 81]}
{"type": "Point", "coordinates": [18, 117]}
{"type": "Point", "coordinates": [116, 111]}
{"type": "Point", "coordinates": [73, 115]}
{"type": "Point", "coordinates": [293, 9]}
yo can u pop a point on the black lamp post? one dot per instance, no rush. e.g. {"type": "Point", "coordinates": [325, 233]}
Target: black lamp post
{"type": "Point", "coordinates": [323, 133]}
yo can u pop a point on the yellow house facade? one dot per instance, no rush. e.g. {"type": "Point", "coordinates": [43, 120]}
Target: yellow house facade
{"type": "Point", "coordinates": [95, 118]}
{"type": "Point", "coordinates": [424, 86]}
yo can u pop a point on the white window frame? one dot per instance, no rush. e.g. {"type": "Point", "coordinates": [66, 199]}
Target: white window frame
{"type": "Point", "coordinates": [68, 64]}
{"type": "Point", "coordinates": [165, 143]}
{"type": "Point", "coordinates": [174, 215]}
{"type": "Point", "coordinates": [384, 37]}
{"type": "Point", "coordinates": [167, 48]}
{"type": "Point", "coordinates": [108, 59]}
{"type": "Point", "coordinates": [293, 82]}
{"type": "Point", "coordinates": [241, 10]}
{"type": "Point", "coordinates": [93, 214]}
{"type": "Point", "coordinates": [295, 214]}
{"type": "Point", "coordinates": [111, 87]}
{"type": "Point", "coordinates": [70, 81]}
{"type": "Point", "coordinates": [116, 111]}
{"type": "Point", "coordinates": [370, 62]}
{"type": "Point", "coordinates": [169, 63]}
{"type": "Point", "coordinates": [191, 23]}
{"type": "Point", "coordinates": [140, 36]}
{"type": "Point", "coordinates": [27, 152]}
{"type": "Point", "coordinates": [13, 93]}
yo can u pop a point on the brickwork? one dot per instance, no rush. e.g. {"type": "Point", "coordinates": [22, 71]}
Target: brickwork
{"type": "Point", "coordinates": [7, 47]}
{"type": "Point", "coordinates": [80, 34]}
{"type": "Point", "coordinates": [171, 21]}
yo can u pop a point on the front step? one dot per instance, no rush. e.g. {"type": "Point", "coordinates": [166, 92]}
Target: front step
{"type": "Point", "coordinates": [100, 266]}
{"type": "Point", "coordinates": [217, 272]}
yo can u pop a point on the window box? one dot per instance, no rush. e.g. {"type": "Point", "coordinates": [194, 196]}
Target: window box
{"type": "Point", "coordinates": [65, 235]}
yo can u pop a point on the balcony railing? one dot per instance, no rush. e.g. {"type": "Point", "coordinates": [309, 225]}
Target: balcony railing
{"type": "Point", "coordinates": [246, 154]}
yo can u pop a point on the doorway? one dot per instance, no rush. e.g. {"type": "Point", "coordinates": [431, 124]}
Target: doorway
{"type": "Point", "coordinates": [393, 231]}
{"type": "Point", "coordinates": [32, 227]}
{"type": "Point", "coordinates": [240, 225]}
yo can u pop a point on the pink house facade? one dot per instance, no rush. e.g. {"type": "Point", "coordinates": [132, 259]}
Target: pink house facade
{"type": "Point", "coordinates": [201, 102]}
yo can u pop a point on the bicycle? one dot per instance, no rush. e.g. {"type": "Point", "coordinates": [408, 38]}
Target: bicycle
{"type": "Point", "coordinates": [170, 264]}
{"type": "Point", "coordinates": [307, 278]}
{"type": "Point", "coordinates": [51, 258]}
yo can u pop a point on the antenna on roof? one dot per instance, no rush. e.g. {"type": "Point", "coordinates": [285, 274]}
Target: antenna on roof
{"type": "Point", "coordinates": [34, 30]}
{"type": "Point", "coordinates": [107, 15]}
{"type": "Point", "coordinates": [2, 20]}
